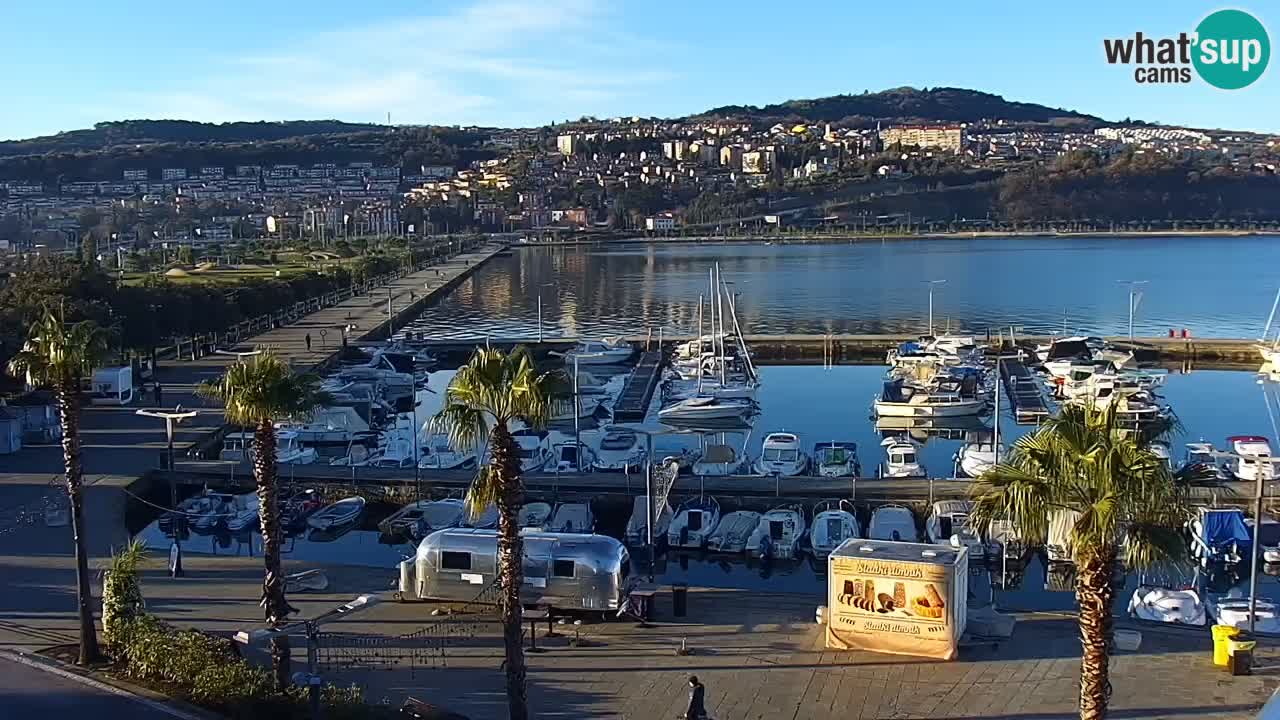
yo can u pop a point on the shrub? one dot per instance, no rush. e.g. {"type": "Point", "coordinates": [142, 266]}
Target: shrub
{"type": "Point", "coordinates": [121, 592]}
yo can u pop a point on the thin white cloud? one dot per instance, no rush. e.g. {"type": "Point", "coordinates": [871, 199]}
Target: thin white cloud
{"type": "Point", "coordinates": [490, 62]}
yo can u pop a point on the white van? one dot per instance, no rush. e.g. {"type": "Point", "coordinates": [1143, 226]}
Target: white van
{"type": "Point", "coordinates": [112, 386]}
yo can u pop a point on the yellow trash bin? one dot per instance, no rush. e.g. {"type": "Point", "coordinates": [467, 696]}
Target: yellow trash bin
{"type": "Point", "coordinates": [1222, 635]}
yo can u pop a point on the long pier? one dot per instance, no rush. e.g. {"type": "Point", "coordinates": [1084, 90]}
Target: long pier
{"type": "Point", "coordinates": [633, 404]}
{"type": "Point", "coordinates": [1023, 390]}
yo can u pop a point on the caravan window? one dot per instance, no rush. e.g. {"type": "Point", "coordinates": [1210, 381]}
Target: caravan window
{"type": "Point", "coordinates": [562, 568]}
{"type": "Point", "coordinates": [455, 560]}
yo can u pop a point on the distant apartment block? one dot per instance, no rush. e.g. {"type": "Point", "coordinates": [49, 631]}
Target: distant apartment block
{"type": "Point", "coordinates": [945, 137]}
{"type": "Point", "coordinates": [663, 222]}
{"type": "Point", "coordinates": [757, 161]}
{"type": "Point", "coordinates": [173, 174]}
{"type": "Point", "coordinates": [135, 175]}
{"type": "Point", "coordinates": [731, 157]}
{"type": "Point", "coordinates": [566, 144]}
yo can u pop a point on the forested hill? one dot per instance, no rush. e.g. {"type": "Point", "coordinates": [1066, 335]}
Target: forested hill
{"type": "Point", "coordinates": [906, 104]}
{"type": "Point", "coordinates": [147, 132]}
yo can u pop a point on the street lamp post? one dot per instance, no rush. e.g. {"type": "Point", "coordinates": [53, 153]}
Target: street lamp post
{"type": "Point", "coordinates": [932, 284]}
{"type": "Point", "coordinates": [172, 418]}
{"type": "Point", "coordinates": [1135, 296]}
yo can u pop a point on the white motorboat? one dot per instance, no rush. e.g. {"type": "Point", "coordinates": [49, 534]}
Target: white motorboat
{"type": "Point", "coordinates": [392, 370]}
{"type": "Point", "coordinates": [1076, 346]}
{"type": "Point", "coordinates": [718, 461]}
{"type": "Point", "coordinates": [1180, 606]}
{"type": "Point", "coordinates": [570, 457]}
{"type": "Point", "coordinates": [637, 531]}
{"type": "Point", "coordinates": [220, 508]}
{"type": "Point", "coordinates": [239, 446]}
{"type": "Point", "coordinates": [1161, 450]}
{"type": "Point", "coordinates": [340, 514]}
{"type": "Point", "coordinates": [952, 345]}
{"type": "Point", "coordinates": [609, 351]}
{"type": "Point", "coordinates": [837, 459]}
{"type": "Point", "coordinates": [398, 452]}
{"type": "Point", "coordinates": [1004, 537]}
{"type": "Point", "coordinates": [439, 454]}
{"type": "Point", "coordinates": [244, 512]}
{"type": "Point", "coordinates": [733, 531]}
{"type": "Point", "coordinates": [340, 425]}
{"type": "Point", "coordinates": [781, 455]}
{"type": "Point", "coordinates": [190, 511]}
{"type": "Point", "coordinates": [620, 449]}
{"type": "Point", "coordinates": [898, 399]}
{"type": "Point", "coordinates": [732, 389]}
{"type": "Point", "coordinates": [901, 459]}
{"type": "Point", "coordinates": [948, 524]}
{"type": "Point", "coordinates": [1220, 536]}
{"type": "Point", "coordinates": [572, 518]}
{"type": "Point", "coordinates": [704, 407]}
{"type": "Point", "coordinates": [534, 516]}
{"type": "Point", "coordinates": [893, 522]}
{"type": "Point", "coordinates": [533, 448]}
{"type": "Point", "coordinates": [694, 522]}
{"type": "Point", "coordinates": [778, 533]}
{"type": "Point", "coordinates": [1062, 523]}
{"type": "Point", "coordinates": [832, 525]}
{"type": "Point", "coordinates": [975, 458]}
{"type": "Point", "coordinates": [1251, 458]}
{"type": "Point", "coordinates": [1235, 612]}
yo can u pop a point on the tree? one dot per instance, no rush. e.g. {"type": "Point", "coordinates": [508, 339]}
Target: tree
{"type": "Point", "coordinates": [257, 393]}
{"type": "Point", "coordinates": [491, 391]}
{"type": "Point", "coordinates": [1124, 498]}
{"type": "Point", "coordinates": [59, 355]}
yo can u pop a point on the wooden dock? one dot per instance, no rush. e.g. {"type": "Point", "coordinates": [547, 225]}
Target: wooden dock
{"type": "Point", "coordinates": [1023, 390]}
{"type": "Point", "coordinates": [633, 404]}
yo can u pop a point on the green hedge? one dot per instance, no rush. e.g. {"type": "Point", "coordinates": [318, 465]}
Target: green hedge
{"type": "Point", "coordinates": [207, 670]}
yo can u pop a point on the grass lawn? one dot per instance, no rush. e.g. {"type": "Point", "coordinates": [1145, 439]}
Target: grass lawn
{"type": "Point", "coordinates": [234, 273]}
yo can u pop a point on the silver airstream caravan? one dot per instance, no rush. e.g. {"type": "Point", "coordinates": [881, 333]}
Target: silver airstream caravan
{"type": "Point", "coordinates": [565, 571]}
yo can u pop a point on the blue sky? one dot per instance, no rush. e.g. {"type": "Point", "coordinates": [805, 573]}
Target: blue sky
{"type": "Point", "coordinates": [71, 63]}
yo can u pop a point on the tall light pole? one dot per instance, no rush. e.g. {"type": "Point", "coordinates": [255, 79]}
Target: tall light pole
{"type": "Point", "coordinates": [172, 418]}
{"type": "Point", "coordinates": [932, 285]}
{"type": "Point", "coordinates": [1135, 297]}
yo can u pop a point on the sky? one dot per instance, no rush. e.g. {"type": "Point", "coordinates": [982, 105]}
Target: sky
{"type": "Point", "coordinates": [71, 63]}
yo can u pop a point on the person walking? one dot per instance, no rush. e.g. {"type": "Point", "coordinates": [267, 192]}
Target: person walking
{"type": "Point", "coordinates": [159, 402]}
{"type": "Point", "coordinates": [308, 339]}
{"type": "Point", "coordinates": [697, 700]}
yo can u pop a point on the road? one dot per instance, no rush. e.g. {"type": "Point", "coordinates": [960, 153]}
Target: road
{"type": "Point", "coordinates": [27, 692]}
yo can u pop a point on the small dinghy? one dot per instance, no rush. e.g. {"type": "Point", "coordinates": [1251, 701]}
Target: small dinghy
{"type": "Point", "coordinates": [572, 518]}
{"type": "Point", "coordinates": [694, 522]}
{"type": "Point", "coordinates": [1167, 605]}
{"type": "Point", "coordinates": [314, 580]}
{"type": "Point", "coordinates": [893, 522]}
{"type": "Point", "coordinates": [732, 532]}
{"type": "Point", "coordinates": [343, 512]}
{"type": "Point", "coordinates": [832, 525]}
{"type": "Point", "coordinates": [295, 511]}
{"type": "Point", "coordinates": [1235, 612]}
{"type": "Point", "coordinates": [245, 513]}
{"type": "Point", "coordinates": [424, 517]}
{"type": "Point", "coordinates": [534, 516]}
{"type": "Point", "coordinates": [637, 532]}
{"type": "Point", "coordinates": [778, 534]}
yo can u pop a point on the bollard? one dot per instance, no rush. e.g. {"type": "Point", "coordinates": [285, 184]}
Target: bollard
{"type": "Point", "coordinates": [679, 599]}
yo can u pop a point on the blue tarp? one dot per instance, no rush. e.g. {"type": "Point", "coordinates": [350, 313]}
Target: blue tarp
{"type": "Point", "coordinates": [892, 392]}
{"type": "Point", "coordinates": [1221, 528]}
{"type": "Point", "coordinates": [909, 348]}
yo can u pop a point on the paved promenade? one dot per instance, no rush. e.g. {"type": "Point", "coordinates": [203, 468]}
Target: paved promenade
{"type": "Point", "coordinates": [117, 440]}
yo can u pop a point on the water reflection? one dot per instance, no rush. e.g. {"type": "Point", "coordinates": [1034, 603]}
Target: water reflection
{"type": "Point", "coordinates": [1040, 284]}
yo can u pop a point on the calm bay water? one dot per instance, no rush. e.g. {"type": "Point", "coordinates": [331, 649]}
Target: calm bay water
{"type": "Point", "coordinates": [1215, 287]}
{"type": "Point", "coordinates": [822, 404]}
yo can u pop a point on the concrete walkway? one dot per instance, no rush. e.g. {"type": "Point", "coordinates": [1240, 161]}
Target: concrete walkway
{"type": "Point", "coordinates": [117, 440]}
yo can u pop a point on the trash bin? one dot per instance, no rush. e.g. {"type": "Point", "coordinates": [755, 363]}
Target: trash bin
{"type": "Point", "coordinates": [1240, 654]}
{"type": "Point", "coordinates": [679, 599]}
{"type": "Point", "coordinates": [1222, 635]}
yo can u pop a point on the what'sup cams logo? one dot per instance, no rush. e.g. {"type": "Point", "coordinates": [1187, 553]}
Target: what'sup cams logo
{"type": "Point", "coordinates": [1229, 50]}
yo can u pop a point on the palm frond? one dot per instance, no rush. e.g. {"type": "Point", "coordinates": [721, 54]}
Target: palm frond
{"type": "Point", "coordinates": [484, 491]}
{"type": "Point", "coordinates": [57, 353]}
{"type": "Point", "coordinates": [264, 387]}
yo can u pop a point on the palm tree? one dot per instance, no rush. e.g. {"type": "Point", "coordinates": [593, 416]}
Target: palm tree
{"type": "Point", "coordinates": [257, 393]}
{"type": "Point", "coordinates": [59, 355]}
{"type": "Point", "coordinates": [491, 391]}
{"type": "Point", "coordinates": [1126, 499]}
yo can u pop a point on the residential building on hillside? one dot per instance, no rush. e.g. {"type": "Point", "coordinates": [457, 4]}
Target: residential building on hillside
{"type": "Point", "coordinates": [945, 137]}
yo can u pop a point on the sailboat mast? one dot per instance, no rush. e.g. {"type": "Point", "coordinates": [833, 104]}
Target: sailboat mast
{"type": "Point", "coordinates": [999, 353]}
{"type": "Point", "coordinates": [699, 361]}
{"type": "Point", "coordinates": [1267, 330]}
{"type": "Point", "coordinates": [742, 342]}
{"type": "Point", "coordinates": [720, 312]}
{"type": "Point", "coordinates": [711, 307]}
